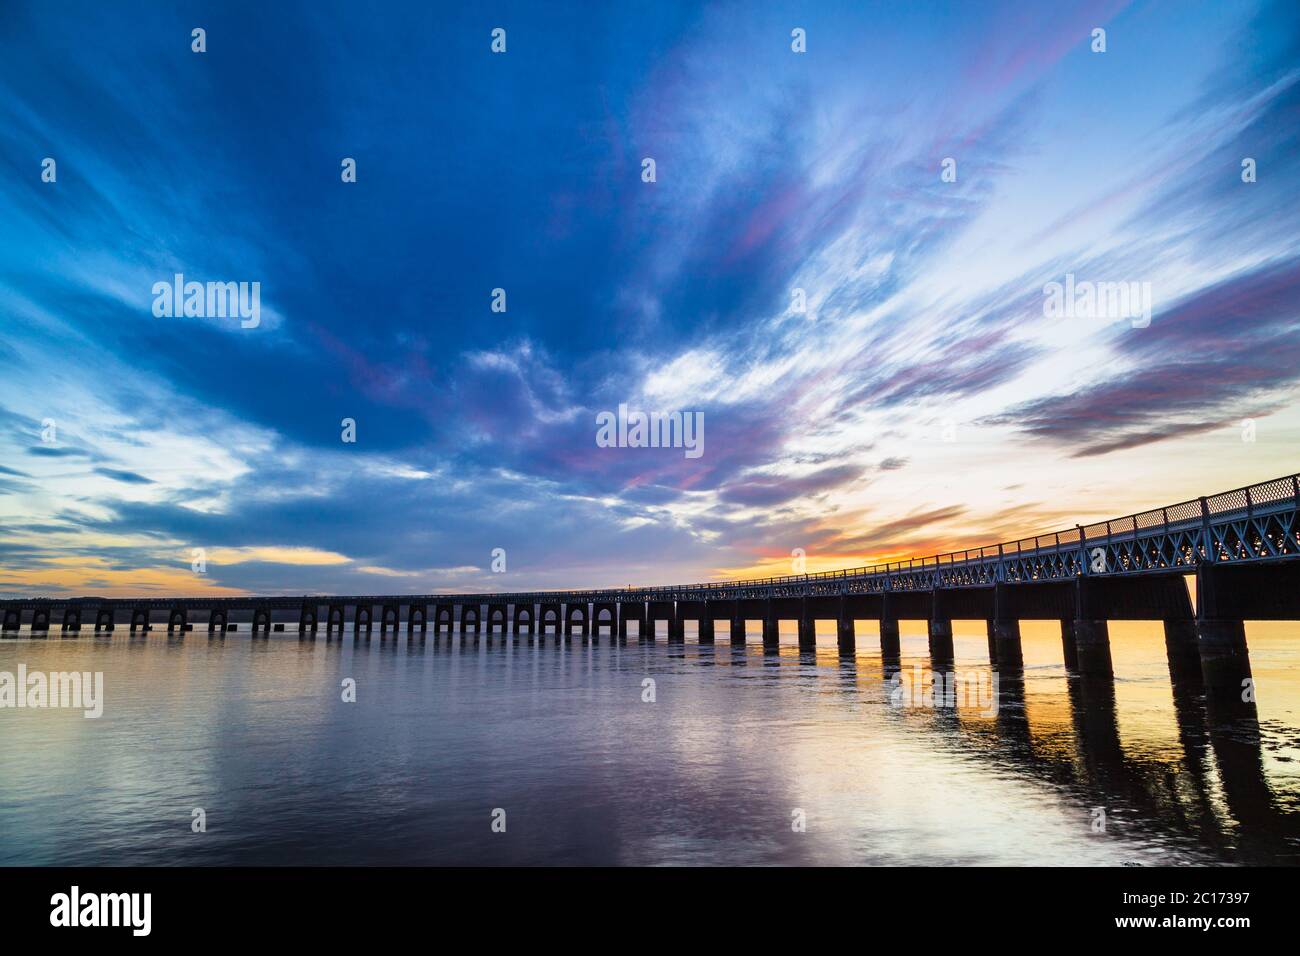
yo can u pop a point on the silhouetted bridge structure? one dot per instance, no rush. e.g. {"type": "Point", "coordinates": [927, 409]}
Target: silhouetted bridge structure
{"type": "Point", "coordinates": [1242, 546]}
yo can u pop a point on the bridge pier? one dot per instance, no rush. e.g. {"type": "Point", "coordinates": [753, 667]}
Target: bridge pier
{"type": "Point", "coordinates": [496, 618]}
{"type": "Point", "coordinates": [13, 619]}
{"type": "Point", "coordinates": [104, 619]}
{"type": "Point", "coordinates": [177, 620]}
{"type": "Point", "coordinates": [1225, 659]}
{"type": "Point", "coordinates": [417, 618]}
{"type": "Point", "coordinates": [845, 636]}
{"type": "Point", "coordinates": [306, 619]}
{"type": "Point", "coordinates": [941, 650]}
{"type": "Point", "coordinates": [525, 616]}
{"type": "Point", "coordinates": [1220, 620]}
{"type": "Point", "coordinates": [1092, 647]}
{"type": "Point", "coordinates": [940, 629]}
{"type": "Point", "coordinates": [706, 633]}
{"type": "Point", "coordinates": [262, 620]}
{"type": "Point", "coordinates": [71, 619]}
{"type": "Point", "coordinates": [807, 628]}
{"type": "Point", "coordinates": [771, 630]}
{"type": "Point", "coordinates": [993, 642]}
{"type": "Point", "coordinates": [676, 630]}
{"type": "Point", "coordinates": [217, 620]}
{"type": "Point", "coordinates": [1069, 645]}
{"type": "Point", "coordinates": [738, 630]}
{"type": "Point", "coordinates": [1182, 649]}
{"type": "Point", "coordinates": [1006, 631]}
{"type": "Point", "coordinates": [335, 615]}
{"type": "Point", "coordinates": [1006, 635]}
{"type": "Point", "coordinates": [139, 619]}
{"type": "Point", "coordinates": [807, 634]}
{"type": "Point", "coordinates": [471, 619]}
{"type": "Point", "coordinates": [40, 619]}
{"type": "Point", "coordinates": [389, 616]}
{"type": "Point", "coordinates": [890, 645]}
{"type": "Point", "coordinates": [1094, 599]}
{"type": "Point", "coordinates": [891, 649]}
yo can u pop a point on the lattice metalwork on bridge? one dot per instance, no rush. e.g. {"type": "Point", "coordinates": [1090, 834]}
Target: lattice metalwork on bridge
{"type": "Point", "coordinates": [1253, 524]}
{"type": "Point", "coordinates": [1258, 522]}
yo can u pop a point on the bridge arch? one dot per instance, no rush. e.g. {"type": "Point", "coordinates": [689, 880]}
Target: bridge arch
{"type": "Point", "coordinates": [549, 616]}
{"type": "Point", "coordinates": [577, 615]}
{"type": "Point", "coordinates": [604, 615]}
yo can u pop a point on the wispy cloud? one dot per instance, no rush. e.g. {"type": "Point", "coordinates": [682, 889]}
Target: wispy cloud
{"type": "Point", "coordinates": [920, 400]}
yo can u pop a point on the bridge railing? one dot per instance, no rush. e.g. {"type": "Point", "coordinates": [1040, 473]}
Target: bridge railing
{"type": "Point", "coordinates": [1199, 515]}
{"type": "Point", "coordinates": [1242, 502]}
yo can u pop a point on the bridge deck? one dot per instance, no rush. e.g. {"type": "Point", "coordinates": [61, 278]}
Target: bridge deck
{"type": "Point", "coordinates": [1252, 525]}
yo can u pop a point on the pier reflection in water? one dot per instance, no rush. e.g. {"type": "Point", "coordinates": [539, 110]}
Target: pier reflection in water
{"type": "Point", "coordinates": [1152, 747]}
{"type": "Point", "coordinates": [1144, 768]}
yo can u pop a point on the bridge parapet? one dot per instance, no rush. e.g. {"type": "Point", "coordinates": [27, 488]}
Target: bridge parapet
{"type": "Point", "coordinates": [1247, 525]}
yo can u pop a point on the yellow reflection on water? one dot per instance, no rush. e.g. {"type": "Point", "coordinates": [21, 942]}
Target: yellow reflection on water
{"type": "Point", "coordinates": [1132, 729]}
{"type": "Point", "coordinates": [1275, 663]}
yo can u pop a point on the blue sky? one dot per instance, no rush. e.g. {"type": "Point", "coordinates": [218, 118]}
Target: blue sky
{"type": "Point", "coordinates": [922, 402]}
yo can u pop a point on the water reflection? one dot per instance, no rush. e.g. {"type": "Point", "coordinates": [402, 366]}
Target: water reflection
{"type": "Point", "coordinates": [559, 733]}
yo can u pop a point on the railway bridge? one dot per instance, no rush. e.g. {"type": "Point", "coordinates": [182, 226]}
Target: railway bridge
{"type": "Point", "coordinates": [1242, 548]}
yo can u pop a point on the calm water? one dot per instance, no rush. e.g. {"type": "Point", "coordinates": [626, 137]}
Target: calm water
{"type": "Point", "coordinates": [443, 732]}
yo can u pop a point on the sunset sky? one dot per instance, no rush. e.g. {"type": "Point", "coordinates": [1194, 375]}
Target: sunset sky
{"type": "Point", "coordinates": [923, 402]}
